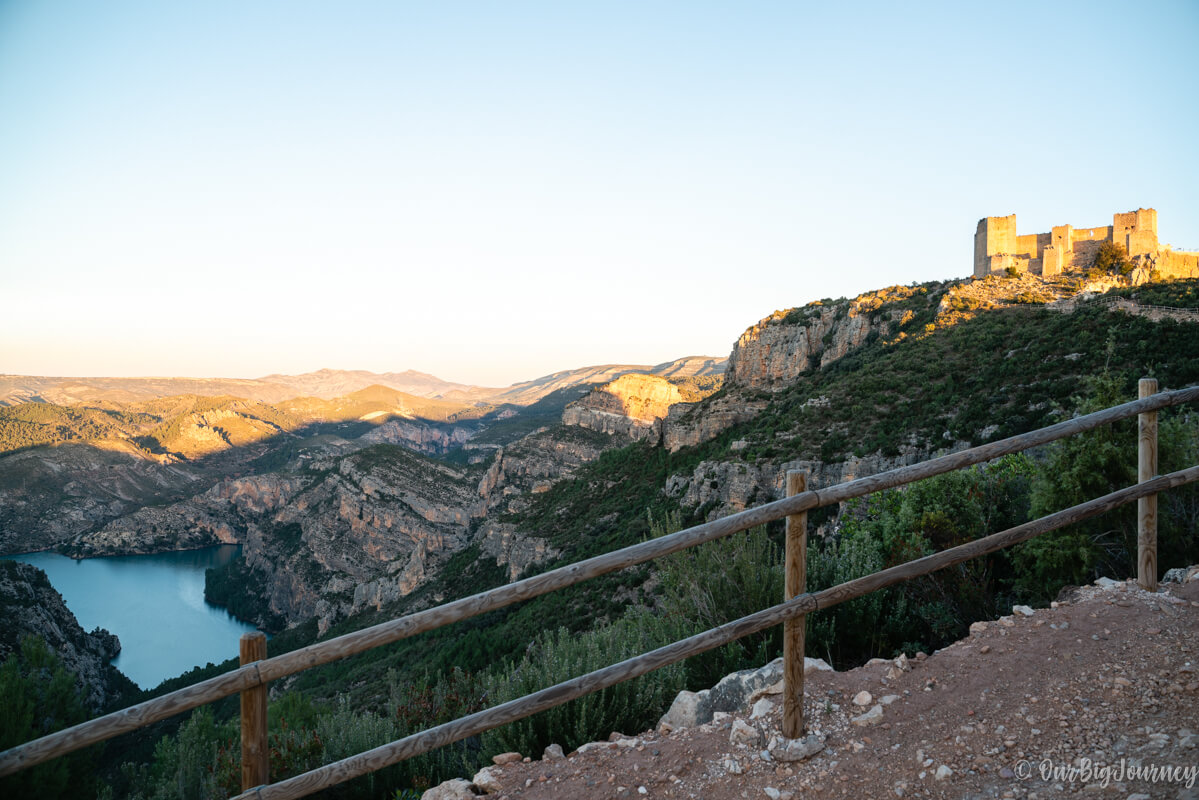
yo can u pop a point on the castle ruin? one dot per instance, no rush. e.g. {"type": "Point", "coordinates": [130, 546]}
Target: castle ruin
{"type": "Point", "coordinates": [999, 248]}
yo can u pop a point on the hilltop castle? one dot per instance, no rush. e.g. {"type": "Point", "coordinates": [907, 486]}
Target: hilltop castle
{"type": "Point", "coordinates": [997, 247]}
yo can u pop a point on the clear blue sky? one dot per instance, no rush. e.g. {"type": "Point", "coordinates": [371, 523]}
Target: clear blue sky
{"type": "Point", "coordinates": [490, 191]}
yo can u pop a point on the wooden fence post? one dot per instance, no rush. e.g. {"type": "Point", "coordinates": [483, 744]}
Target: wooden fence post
{"type": "Point", "coordinates": [255, 752]}
{"type": "Point", "coordinates": [795, 580]}
{"type": "Point", "coordinates": [1147, 506]}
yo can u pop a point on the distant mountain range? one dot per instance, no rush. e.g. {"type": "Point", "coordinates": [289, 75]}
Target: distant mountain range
{"type": "Point", "coordinates": [327, 384]}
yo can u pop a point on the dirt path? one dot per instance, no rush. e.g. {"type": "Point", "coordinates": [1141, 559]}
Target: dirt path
{"type": "Point", "coordinates": [1105, 682]}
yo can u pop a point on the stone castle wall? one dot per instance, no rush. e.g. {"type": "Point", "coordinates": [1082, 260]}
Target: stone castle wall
{"type": "Point", "coordinates": [999, 247]}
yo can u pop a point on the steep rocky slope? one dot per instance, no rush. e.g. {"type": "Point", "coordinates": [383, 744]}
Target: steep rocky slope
{"type": "Point", "coordinates": [50, 494]}
{"type": "Point", "coordinates": [629, 405]}
{"type": "Point", "coordinates": [29, 606]}
{"type": "Point", "coordinates": [785, 344]}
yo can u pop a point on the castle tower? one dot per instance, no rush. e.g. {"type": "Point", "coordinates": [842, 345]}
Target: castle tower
{"type": "Point", "coordinates": [1136, 231]}
{"type": "Point", "coordinates": [1059, 253]}
{"type": "Point", "coordinates": [994, 236]}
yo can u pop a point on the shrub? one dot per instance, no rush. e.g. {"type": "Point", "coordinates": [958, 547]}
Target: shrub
{"type": "Point", "coordinates": [895, 526]}
{"type": "Point", "coordinates": [38, 696]}
{"type": "Point", "coordinates": [561, 655]}
{"type": "Point", "coordinates": [1112, 258]}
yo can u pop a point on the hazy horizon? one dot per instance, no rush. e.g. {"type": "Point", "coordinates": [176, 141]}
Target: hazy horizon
{"type": "Point", "coordinates": [265, 376]}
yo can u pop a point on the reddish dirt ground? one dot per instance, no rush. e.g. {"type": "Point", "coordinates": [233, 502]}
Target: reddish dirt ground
{"type": "Point", "coordinates": [1079, 699]}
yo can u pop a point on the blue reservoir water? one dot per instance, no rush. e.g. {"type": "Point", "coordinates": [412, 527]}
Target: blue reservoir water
{"type": "Point", "coordinates": [153, 603]}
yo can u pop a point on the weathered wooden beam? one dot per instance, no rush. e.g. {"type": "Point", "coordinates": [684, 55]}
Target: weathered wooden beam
{"type": "Point", "coordinates": [795, 583]}
{"type": "Point", "coordinates": [474, 724]}
{"type": "Point", "coordinates": [142, 714]}
{"type": "Point", "coordinates": [255, 751]}
{"type": "Point", "coordinates": [1147, 506]}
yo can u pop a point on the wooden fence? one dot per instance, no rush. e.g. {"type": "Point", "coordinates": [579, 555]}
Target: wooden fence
{"type": "Point", "coordinates": [256, 671]}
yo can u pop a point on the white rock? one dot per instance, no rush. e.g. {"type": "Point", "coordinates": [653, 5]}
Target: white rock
{"type": "Point", "coordinates": [761, 708]}
{"type": "Point", "coordinates": [888, 699]}
{"type": "Point", "coordinates": [454, 789]}
{"type": "Point", "coordinates": [744, 733]}
{"type": "Point", "coordinates": [774, 688]}
{"type": "Point", "coordinates": [811, 665]}
{"type": "Point", "coordinates": [731, 765]}
{"type": "Point", "coordinates": [942, 773]}
{"type": "Point", "coordinates": [872, 717]}
{"type": "Point", "coordinates": [772, 793]}
{"type": "Point", "coordinates": [1024, 611]}
{"type": "Point", "coordinates": [553, 753]}
{"type": "Point", "coordinates": [1107, 583]}
{"type": "Point", "coordinates": [682, 712]}
{"type": "Point", "coordinates": [1176, 575]}
{"type": "Point", "coordinates": [486, 780]}
{"type": "Point", "coordinates": [902, 663]}
{"type": "Point", "coordinates": [863, 698]}
{"type": "Point", "coordinates": [796, 749]}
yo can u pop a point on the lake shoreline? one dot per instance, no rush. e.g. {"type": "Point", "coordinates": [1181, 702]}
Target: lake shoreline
{"type": "Point", "coordinates": [153, 603]}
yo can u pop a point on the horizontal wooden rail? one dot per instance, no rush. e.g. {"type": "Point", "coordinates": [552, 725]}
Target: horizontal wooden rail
{"type": "Point", "coordinates": [276, 667]}
{"type": "Point", "coordinates": [474, 724]}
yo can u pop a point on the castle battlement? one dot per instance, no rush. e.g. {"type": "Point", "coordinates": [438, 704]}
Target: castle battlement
{"type": "Point", "coordinates": [998, 247]}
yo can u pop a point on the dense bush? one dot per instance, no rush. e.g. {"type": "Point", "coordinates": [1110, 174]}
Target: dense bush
{"type": "Point", "coordinates": [38, 696]}
{"type": "Point", "coordinates": [1093, 464]}
{"type": "Point", "coordinates": [1112, 258]}
{"type": "Point", "coordinates": [899, 525]}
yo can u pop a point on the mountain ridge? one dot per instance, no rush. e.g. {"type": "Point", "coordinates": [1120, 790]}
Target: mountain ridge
{"type": "Point", "coordinates": [326, 384]}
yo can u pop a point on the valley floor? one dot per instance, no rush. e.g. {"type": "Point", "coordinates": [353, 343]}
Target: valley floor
{"type": "Point", "coordinates": [1109, 675]}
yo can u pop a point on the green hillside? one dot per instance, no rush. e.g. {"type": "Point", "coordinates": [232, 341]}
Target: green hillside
{"type": "Point", "coordinates": [1002, 372]}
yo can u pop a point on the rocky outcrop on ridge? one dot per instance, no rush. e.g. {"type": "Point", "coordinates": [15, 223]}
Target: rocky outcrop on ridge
{"type": "Point", "coordinates": [780, 347]}
{"type": "Point", "coordinates": [420, 436]}
{"type": "Point", "coordinates": [726, 487]}
{"type": "Point", "coordinates": [536, 462]}
{"type": "Point", "coordinates": [631, 406]}
{"type": "Point", "coordinates": [31, 606]}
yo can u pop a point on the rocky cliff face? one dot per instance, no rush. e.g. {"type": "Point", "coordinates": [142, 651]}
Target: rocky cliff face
{"type": "Point", "coordinates": [780, 347]}
{"type": "Point", "coordinates": [512, 549]}
{"type": "Point", "coordinates": [420, 436]}
{"type": "Point", "coordinates": [629, 406]}
{"type": "Point", "coordinates": [50, 494]}
{"type": "Point", "coordinates": [325, 543]}
{"type": "Point", "coordinates": [690, 424]}
{"type": "Point", "coordinates": [31, 606]}
{"type": "Point", "coordinates": [726, 487]}
{"type": "Point", "coordinates": [536, 462]}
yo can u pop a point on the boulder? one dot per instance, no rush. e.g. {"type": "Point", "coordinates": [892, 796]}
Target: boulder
{"type": "Point", "coordinates": [795, 749]}
{"type": "Point", "coordinates": [454, 789]}
{"type": "Point", "coordinates": [744, 733]}
{"type": "Point", "coordinates": [872, 717]}
{"type": "Point", "coordinates": [487, 780]}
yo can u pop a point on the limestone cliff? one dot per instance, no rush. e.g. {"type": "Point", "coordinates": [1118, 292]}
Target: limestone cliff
{"type": "Point", "coordinates": [420, 436]}
{"type": "Point", "coordinates": [29, 605]}
{"type": "Point", "coordinates": [787, 343]}
{"type": "Point", "coordinates": [726, 487]}
{"type": "Point", "coordinates": [536, 462]}
{"type": "Point", "coordinates": [628, 406]}
{"type": "Point", "coordinates": [50, 494]}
